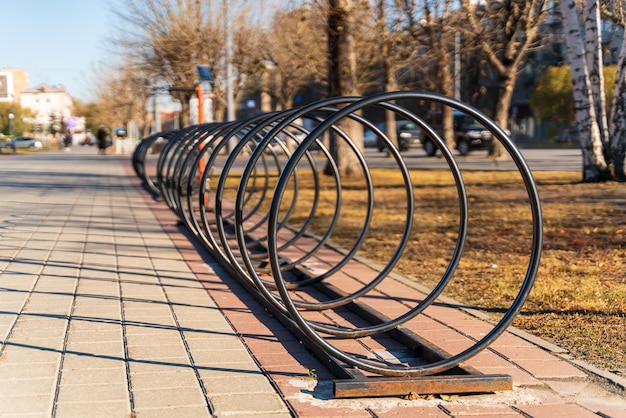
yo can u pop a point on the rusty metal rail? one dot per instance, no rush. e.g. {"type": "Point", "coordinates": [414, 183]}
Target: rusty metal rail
{"type": "Point", "coordinates": [237, 187]}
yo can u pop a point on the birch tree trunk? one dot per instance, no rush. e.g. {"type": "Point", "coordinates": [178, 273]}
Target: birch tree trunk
{"type": "Point", "coordinates": [594, 165]}
{"type": "Point", "coordinates": [593, 55]}
{"type": "Point", "coordinates": [617, 138]}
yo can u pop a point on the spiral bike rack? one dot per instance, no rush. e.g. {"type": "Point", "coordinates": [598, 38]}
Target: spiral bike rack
{"type": "Point", "coordinates": [236, 187]}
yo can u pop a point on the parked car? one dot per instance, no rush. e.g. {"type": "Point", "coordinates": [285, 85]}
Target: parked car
{"type": "Point", "coordinates": [291, 138]}
{"type": "Point", "coordinates": [370, 139]}
{"type": "Point", "coordinates": [4, 142]}
{"type": "Point", "coordinates": [22, 142]}
{"type": "Point", "coordinates": [408, 133]}
{"type": "Point", "coordinates": [469, 135]}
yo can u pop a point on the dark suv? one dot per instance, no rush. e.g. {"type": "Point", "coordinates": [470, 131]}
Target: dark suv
{"type": "Point", "coordinates": [408, 133]}
{"type": "Point", "coordinates": [469, 135]}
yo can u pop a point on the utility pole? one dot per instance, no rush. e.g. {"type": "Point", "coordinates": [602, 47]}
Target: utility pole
{"type": "Point", "coordinates": [457, 65]}
{"type": "Point", "coordinates": [229, 65]}
{"type": "Point", "coordinates": [230, 101]}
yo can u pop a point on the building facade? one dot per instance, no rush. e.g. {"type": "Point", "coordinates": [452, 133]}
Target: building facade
{"type": "Point", "coordinates": [12, 83]}
{"type": "Point", "coordinates": [52, 106]}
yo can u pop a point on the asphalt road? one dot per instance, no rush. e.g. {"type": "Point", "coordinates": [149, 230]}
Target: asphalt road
{"type": "Point", "coordinates": [544, 159]}
{"type": "Point", "coordinates": [538, 159]}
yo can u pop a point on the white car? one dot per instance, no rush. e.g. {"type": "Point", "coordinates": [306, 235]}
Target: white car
{"type": "Point", "coordinates": [23, 142]}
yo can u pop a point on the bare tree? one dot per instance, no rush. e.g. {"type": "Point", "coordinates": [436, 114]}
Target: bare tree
{"type": "Point", "coordinates": [165, 38]}
{"type": "Point", "coordinates": [168, 38]}
{"type": "Point", "coordinates": [343, 76]}
{"type": "Point", "coordinates": [434, 34]}
{"type": "Point", "coordinates": [247, 54]}
{"type": "Point", "coordinates": [122, 95]}
{"type": "Point", "coordinates": [397, 50]}
{"type": "Point", "coordinates": [294, 52]}
{"type": "Point", "coordinates": [505, 30]}
{"type": "Point", "coordinates": [351, 61]}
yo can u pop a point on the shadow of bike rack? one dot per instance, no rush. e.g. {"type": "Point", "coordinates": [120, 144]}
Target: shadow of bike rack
{"type": "Point", "coordinates": [236, 186]}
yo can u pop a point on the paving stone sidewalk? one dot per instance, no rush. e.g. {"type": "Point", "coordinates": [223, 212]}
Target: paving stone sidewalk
{"type": "Point", "coordinates": [109, 309]}
{"type": "Point", "coordinates": [99, 314]}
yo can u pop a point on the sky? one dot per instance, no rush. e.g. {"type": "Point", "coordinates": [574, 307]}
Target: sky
{"type": "Point", "coordinates": [60, 42]}
{"type": "Point", "coordinates": [57, 42]}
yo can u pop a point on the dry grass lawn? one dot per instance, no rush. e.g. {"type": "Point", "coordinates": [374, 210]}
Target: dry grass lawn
{"type": "Point", "coordinates": [579, 298]}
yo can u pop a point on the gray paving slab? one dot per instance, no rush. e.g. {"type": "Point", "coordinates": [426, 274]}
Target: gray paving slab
{"type": "Point", "coordinates": [99, 315]}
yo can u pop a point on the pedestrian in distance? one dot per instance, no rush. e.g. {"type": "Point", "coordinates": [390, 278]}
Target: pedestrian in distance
{"type": "Point", "coordinates": [67, 139]}
{"type": "Point", "coordinates": [101, 137]}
